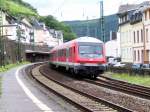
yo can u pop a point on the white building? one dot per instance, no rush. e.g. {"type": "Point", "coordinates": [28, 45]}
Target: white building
{"type": "Point", "coordinates": [112, 48]}
{"type": "Point", "coordinates": [37, 33]}
{"type": "Point", "coordinates": [131, 29]}
{"type": "Point", "coordinates": [46, 36]}
{"type": "Point", "coordinates": [12, 26]}
{"type": "Point", "coordinates": [125, 30]}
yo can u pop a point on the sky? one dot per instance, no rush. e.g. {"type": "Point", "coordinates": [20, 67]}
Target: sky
{"type": "Point", "coordinates": [66, 10]}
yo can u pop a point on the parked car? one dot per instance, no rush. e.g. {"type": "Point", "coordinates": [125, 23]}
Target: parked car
{"type": "Point", "coordinates": [146, 66]}
{"type": "Point", "coordinates": [112, 61]}
{"type": "Point", "coordinates": [136, 66]}
{"type": "Point", "coordinates": [119, 64]}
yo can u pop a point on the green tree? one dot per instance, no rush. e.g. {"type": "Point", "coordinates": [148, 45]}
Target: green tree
{"type": "Point", "coordinates": [51, 22]}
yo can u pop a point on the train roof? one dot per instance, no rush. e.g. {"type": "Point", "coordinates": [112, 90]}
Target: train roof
{"type": "Point", "coordinates": [80, 39]}
{"type": "Point", "coordinates": [88, 39]}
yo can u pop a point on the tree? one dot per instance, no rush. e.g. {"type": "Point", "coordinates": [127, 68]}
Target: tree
{"type": "Point", "coordinates": [51, 22]}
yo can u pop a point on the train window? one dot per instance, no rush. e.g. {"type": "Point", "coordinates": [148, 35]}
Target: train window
{"type": "Point", "coordinates": [73, 51]}
{"type": "Point", "coordinates": [58, 53]}
{"type": "Point", "coordinates": [61, 53]}
{"type": "Point", "coordinates": [64, 52]}
{"type": "Point", "coordinates": [70, 51]}
{"type": "Point", "coordinates": [67, 52]}
{"type": "Point", "coordinates": [90, 51]}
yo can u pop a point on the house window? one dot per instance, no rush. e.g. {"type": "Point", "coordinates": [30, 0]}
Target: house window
{"type": "Point", "coordinates": [141, 35]}
{"type": "Point", "coordinates": [134, 36]}
{"type": "Point", "coordinates": [126, 18]}
{"type": "Point", "coordinates": [145, 15]}
{"type": "Point", "coordinates": [142, 56]}
{"type": "Point", "coordinates": [147, 55]}
{"type": "Point", "coordinates": [146, 35]}
{"type": "Point", "coordinates": [134, 55]}
{"type": "Point", "coordinates": [138, 55]}
{"type": "Point", "coordinates": [149, 13]}
{"type": "Point", "coordinates": [137, 36]}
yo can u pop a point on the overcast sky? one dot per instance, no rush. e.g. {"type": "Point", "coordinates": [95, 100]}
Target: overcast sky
{"type": "Point", "coordinates": [77, 9]}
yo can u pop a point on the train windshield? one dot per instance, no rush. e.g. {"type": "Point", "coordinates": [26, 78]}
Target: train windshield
{"type": "Point", "coordinates": [90, 51]}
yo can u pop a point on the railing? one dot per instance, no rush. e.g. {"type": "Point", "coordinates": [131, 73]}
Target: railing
{"type": "Point", "coordinates": [131, 71]}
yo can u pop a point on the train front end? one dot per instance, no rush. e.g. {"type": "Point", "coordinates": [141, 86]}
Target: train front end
{"type": "Point", "coordinates": [90, 57]}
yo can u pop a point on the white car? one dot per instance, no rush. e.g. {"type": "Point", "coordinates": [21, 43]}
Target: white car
{"type": "Point", "coordinates": [119, 64]}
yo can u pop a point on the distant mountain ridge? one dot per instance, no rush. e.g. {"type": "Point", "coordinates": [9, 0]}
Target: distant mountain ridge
{"type": "Point", "coordinates": [92, 27]}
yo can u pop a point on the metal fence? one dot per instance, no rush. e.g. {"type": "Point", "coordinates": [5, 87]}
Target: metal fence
{"type": "Point", "coordinates": [120, 70]}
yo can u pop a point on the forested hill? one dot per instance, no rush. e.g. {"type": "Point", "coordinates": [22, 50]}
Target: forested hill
{"type": "Point", "coordinates": [80, 28]}
{"type": "Point", "coordinates": [18, 8]}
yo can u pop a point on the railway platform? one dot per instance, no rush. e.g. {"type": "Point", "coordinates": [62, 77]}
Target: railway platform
{"type": "Point", "coordinates": [19, 94]}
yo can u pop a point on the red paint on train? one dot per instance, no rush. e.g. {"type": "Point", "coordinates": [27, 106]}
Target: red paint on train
{"type": "Point", "coordinates": [85, 54]}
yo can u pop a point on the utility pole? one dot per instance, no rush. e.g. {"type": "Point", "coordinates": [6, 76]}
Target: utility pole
{"type": "Point", "coordinates": [18, 44]}
{"type": "Point", "coordinates": [95, 32]}
{"type": "Point", "coordinates": [1, 36]}
{"type": "Point", "coordinates": [102, 27]}
{"type": "Point", "coordinates": [2, 57]}
{"type": "Point", "coordinates": [87, 27]}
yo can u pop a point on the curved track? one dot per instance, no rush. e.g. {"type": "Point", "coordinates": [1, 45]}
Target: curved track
{"type": "Point", "coordinates": [82, 100]}
{"type": "Point", "coordinates": [136, 90]}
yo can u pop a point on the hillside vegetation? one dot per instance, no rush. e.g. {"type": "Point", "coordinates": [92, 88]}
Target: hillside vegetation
{"type": "Point", "coordinates": [15, 9]}
{"type": "Point", "coordinates": [18, 8]}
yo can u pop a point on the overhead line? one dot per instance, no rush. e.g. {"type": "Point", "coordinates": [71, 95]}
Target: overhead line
{"type": "Point", "coordinates": [60, 6]}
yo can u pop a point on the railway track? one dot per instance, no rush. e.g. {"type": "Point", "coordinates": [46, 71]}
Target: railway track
{"type": "Point", "coordinates": [118, 85]}
{"type": "Point", "coordinates": [82, 100]}
{"type": "Point", "coordinates": [126, 83]}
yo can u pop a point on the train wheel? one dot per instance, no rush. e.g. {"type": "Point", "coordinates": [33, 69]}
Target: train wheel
{"type": "Point", "coordinates": [93, 76]}
{"type": "Point", "coordinates": [51, 66]}
{"type": "Point", "coordinates": [72, 71]}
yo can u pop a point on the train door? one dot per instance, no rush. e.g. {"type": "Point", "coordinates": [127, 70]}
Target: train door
{"type": "Point", "coordinates": [73, 54]}
{"type": "Point", "coordinates": [70, 54]}
{"type": "Point", "coordinates": [67, 58]}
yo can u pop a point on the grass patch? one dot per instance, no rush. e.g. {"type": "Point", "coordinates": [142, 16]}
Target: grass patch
{"type": "Point", "coordinates": [7, 67]}
{"type": "Point", "coordinates": [134, 79]}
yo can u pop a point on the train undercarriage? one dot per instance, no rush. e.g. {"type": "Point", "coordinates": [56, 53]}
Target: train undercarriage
{"type": "Point", "coordinates": [80, 70]}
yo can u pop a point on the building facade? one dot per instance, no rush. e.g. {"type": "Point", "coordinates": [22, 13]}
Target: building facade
{"type": "Point", "coordinates": [112, 49]}
{"type": "Point", "coordinates": [46, 36]}
{"type": "Point", "coordinates": [125, 30]}
{"type": "Point", "coordinates": [146, 22]}
{"type": "Point", "coordinates": [134, 26]}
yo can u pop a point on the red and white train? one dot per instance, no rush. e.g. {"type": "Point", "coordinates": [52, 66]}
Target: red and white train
{"type": "Point", "coordinates": [82, 56]}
